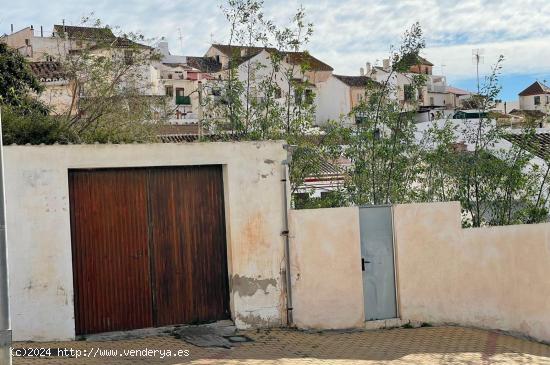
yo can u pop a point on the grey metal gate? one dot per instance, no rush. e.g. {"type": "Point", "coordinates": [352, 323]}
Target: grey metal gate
{"type": "Point", "coordinates": [377, 262]}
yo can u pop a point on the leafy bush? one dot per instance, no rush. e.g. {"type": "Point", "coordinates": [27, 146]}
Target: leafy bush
{"type": "Point", "coordinates": [31, 125]}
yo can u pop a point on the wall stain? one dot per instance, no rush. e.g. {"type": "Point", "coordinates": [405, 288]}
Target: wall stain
{"type": "Point", "coordinates": [247, 287]}
{"type": "Point", "coordinates": [269, 161]}
{"type": "Point", "coordinates": [256, 321]}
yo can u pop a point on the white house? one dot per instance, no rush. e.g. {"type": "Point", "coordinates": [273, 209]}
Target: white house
{"type": "Point", "coordinates": [254, 65]}
{"type": "Point", "coordinates": [535, 97]}
{"type": "Point", "coordinates": [339, 95]}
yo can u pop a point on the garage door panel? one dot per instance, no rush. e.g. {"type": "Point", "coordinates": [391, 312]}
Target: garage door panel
{"type": "Point", "coordinates": [110, 253]}
{"type": "Point", "coordinates": [189, 244]}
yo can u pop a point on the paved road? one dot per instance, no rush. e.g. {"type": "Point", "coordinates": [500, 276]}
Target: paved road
{"type": "Point", "coordinates": [428, 345]}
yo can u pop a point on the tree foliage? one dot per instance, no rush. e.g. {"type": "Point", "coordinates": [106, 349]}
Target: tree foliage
{"type": "Point", "coordinates": [16, 79]}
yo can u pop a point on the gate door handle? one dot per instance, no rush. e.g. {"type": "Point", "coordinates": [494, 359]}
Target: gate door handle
{"type": "Point", "coordinates": [363, 262]}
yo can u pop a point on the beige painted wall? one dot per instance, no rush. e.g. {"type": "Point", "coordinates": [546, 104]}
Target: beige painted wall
{"type": "Point", "coordinates": [496, 277]}
{"type": "Point", "coordinates": [327, 285]}
{"type": "Point", "coordinates": [39, 236]}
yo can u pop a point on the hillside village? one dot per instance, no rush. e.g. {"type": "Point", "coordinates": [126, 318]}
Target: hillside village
{"type": "Point", "coordinates": [179, 78]}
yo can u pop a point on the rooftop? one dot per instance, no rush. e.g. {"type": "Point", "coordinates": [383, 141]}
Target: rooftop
{"type": "Point", "coordinates": [79, 32]}
{"type": "Point", "coordinates": [356, 81]}
{"type": "Point", "coordinates": [244, 53]}
{"type": "Point", "coordinates": [47, 71]}
{"type": "Point", "coordinates": [536, 88]}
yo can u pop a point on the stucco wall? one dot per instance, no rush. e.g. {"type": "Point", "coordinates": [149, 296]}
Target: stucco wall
{"type": "Point", "coordinates": [494, 277]}
{"type": "Point", "coordinates": [327, 285]}
{"type": "Point", "coordinates": [39, 238]}
{"type": "Point", "coordinates": [332, 101]}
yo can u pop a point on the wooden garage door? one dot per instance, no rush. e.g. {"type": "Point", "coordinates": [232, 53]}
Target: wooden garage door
{"type": "Point", "coordinates": [148, 247]}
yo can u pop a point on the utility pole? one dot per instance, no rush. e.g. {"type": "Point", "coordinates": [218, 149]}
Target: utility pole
{"type": "Point", "coordinates": [5, 326]}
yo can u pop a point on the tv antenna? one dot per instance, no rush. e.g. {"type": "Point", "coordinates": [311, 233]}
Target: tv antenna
{"type": "Point", "coordinates": [477, 57]}
{"type": "Point", "coordinates": [181, 40]}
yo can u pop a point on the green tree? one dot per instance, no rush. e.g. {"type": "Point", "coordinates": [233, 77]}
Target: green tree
{"type": "Point", "coordinates": [267, 100]}
{"type": "Point", "coordinates": [382, 148]}
{"type": "Point", "coordinates": [111, 95]}
{"type": "Point", "coordinates": [497, 182]}
{"type": "Point", "coordinates": [16, 79]}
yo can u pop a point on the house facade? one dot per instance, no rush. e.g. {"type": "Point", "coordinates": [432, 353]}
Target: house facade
{"type": "Point", "coordinates": [535, 97]}
{"type": "Point", "coordinates": [179, 79]}
{"type": "Point", "coordinates": [254, 65]}
{"type": "Point", "coordinates": [339, 96]}
{"type": "Point", "coordinates": [47, 53]}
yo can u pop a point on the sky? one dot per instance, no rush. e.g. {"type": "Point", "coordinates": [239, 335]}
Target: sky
{"type": "Point", "coordinates": [347, 33]}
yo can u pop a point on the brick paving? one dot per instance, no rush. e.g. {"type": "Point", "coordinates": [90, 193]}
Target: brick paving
{"type": "Point", "coordinates": [428, 345]}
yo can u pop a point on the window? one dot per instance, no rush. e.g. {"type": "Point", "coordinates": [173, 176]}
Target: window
{"type": "Point", "coordinates": [128, 57]}
{"type": "Point", "coordinates": [431, 100]}
{"type": "Point", "coordinates": [537, 100]}
{"type": "Point", "coordinates": [169, 90]}
{"type": "Point", "coordinates": [181, 99]}
{"type": "Point", "coordinates": [216, 91]}
{"type": "Point", "coordinates": [170, 76]}
{"type": "Point", "coordinates": [360, 118]}
{"type": "Point", "coordinates": [409, 92]}
{"type": "Point", "coordinates": [297, 96]}
{"type": "Point", "coordinates": [277, 93]}
{"type": "Point", "coordinates": [309, 96]}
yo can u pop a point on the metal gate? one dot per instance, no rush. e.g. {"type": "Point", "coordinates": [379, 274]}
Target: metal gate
{"type": "Point", "coordinates": [377, 262]}
{"type": "Point", "coordinates": [149, 247]}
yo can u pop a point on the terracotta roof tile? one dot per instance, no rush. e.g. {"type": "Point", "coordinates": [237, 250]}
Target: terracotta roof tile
{"type": "Point", "coordinates": [78, 32]}
{"type": "Point", "coordinates": [536, 88]}
{"type": "Point", "coordinates": [357, 81]}
{"type": "Point", "coordinates": [47, 71]}
{"type": "Point", "coordinates": [294, 58]}
{"type": "Point", "coordinates": [204, 64]}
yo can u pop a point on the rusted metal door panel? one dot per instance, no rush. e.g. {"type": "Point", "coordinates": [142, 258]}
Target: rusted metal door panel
{"type": "Point", "coordinates": [110, 250]}
{"type": "Point", "coordinates": [188, 244]}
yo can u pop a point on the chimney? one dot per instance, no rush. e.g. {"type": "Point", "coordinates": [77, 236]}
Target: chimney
{"type": "Point", "coordinates": [41, 31]}
{"type": "Point", "coordinates": [163, 48]}
{"type": "Point", "coordinates": [362, 71]}
{"type": "Point", "coordinates": [12, 28]}
{"type": "Point", "coordinates": [369, 68]}
{"type": "Point", "coordinates": [386, 64]}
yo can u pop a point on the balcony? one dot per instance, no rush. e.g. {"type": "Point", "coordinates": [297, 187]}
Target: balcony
{"type": "Point", "coordinates": [183, 100]}
{"type": "Point", "coordinates": [433, 88]}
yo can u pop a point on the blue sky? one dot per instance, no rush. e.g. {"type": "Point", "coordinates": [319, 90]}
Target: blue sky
{"type": "Point", "coordinates": [347, 33]}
